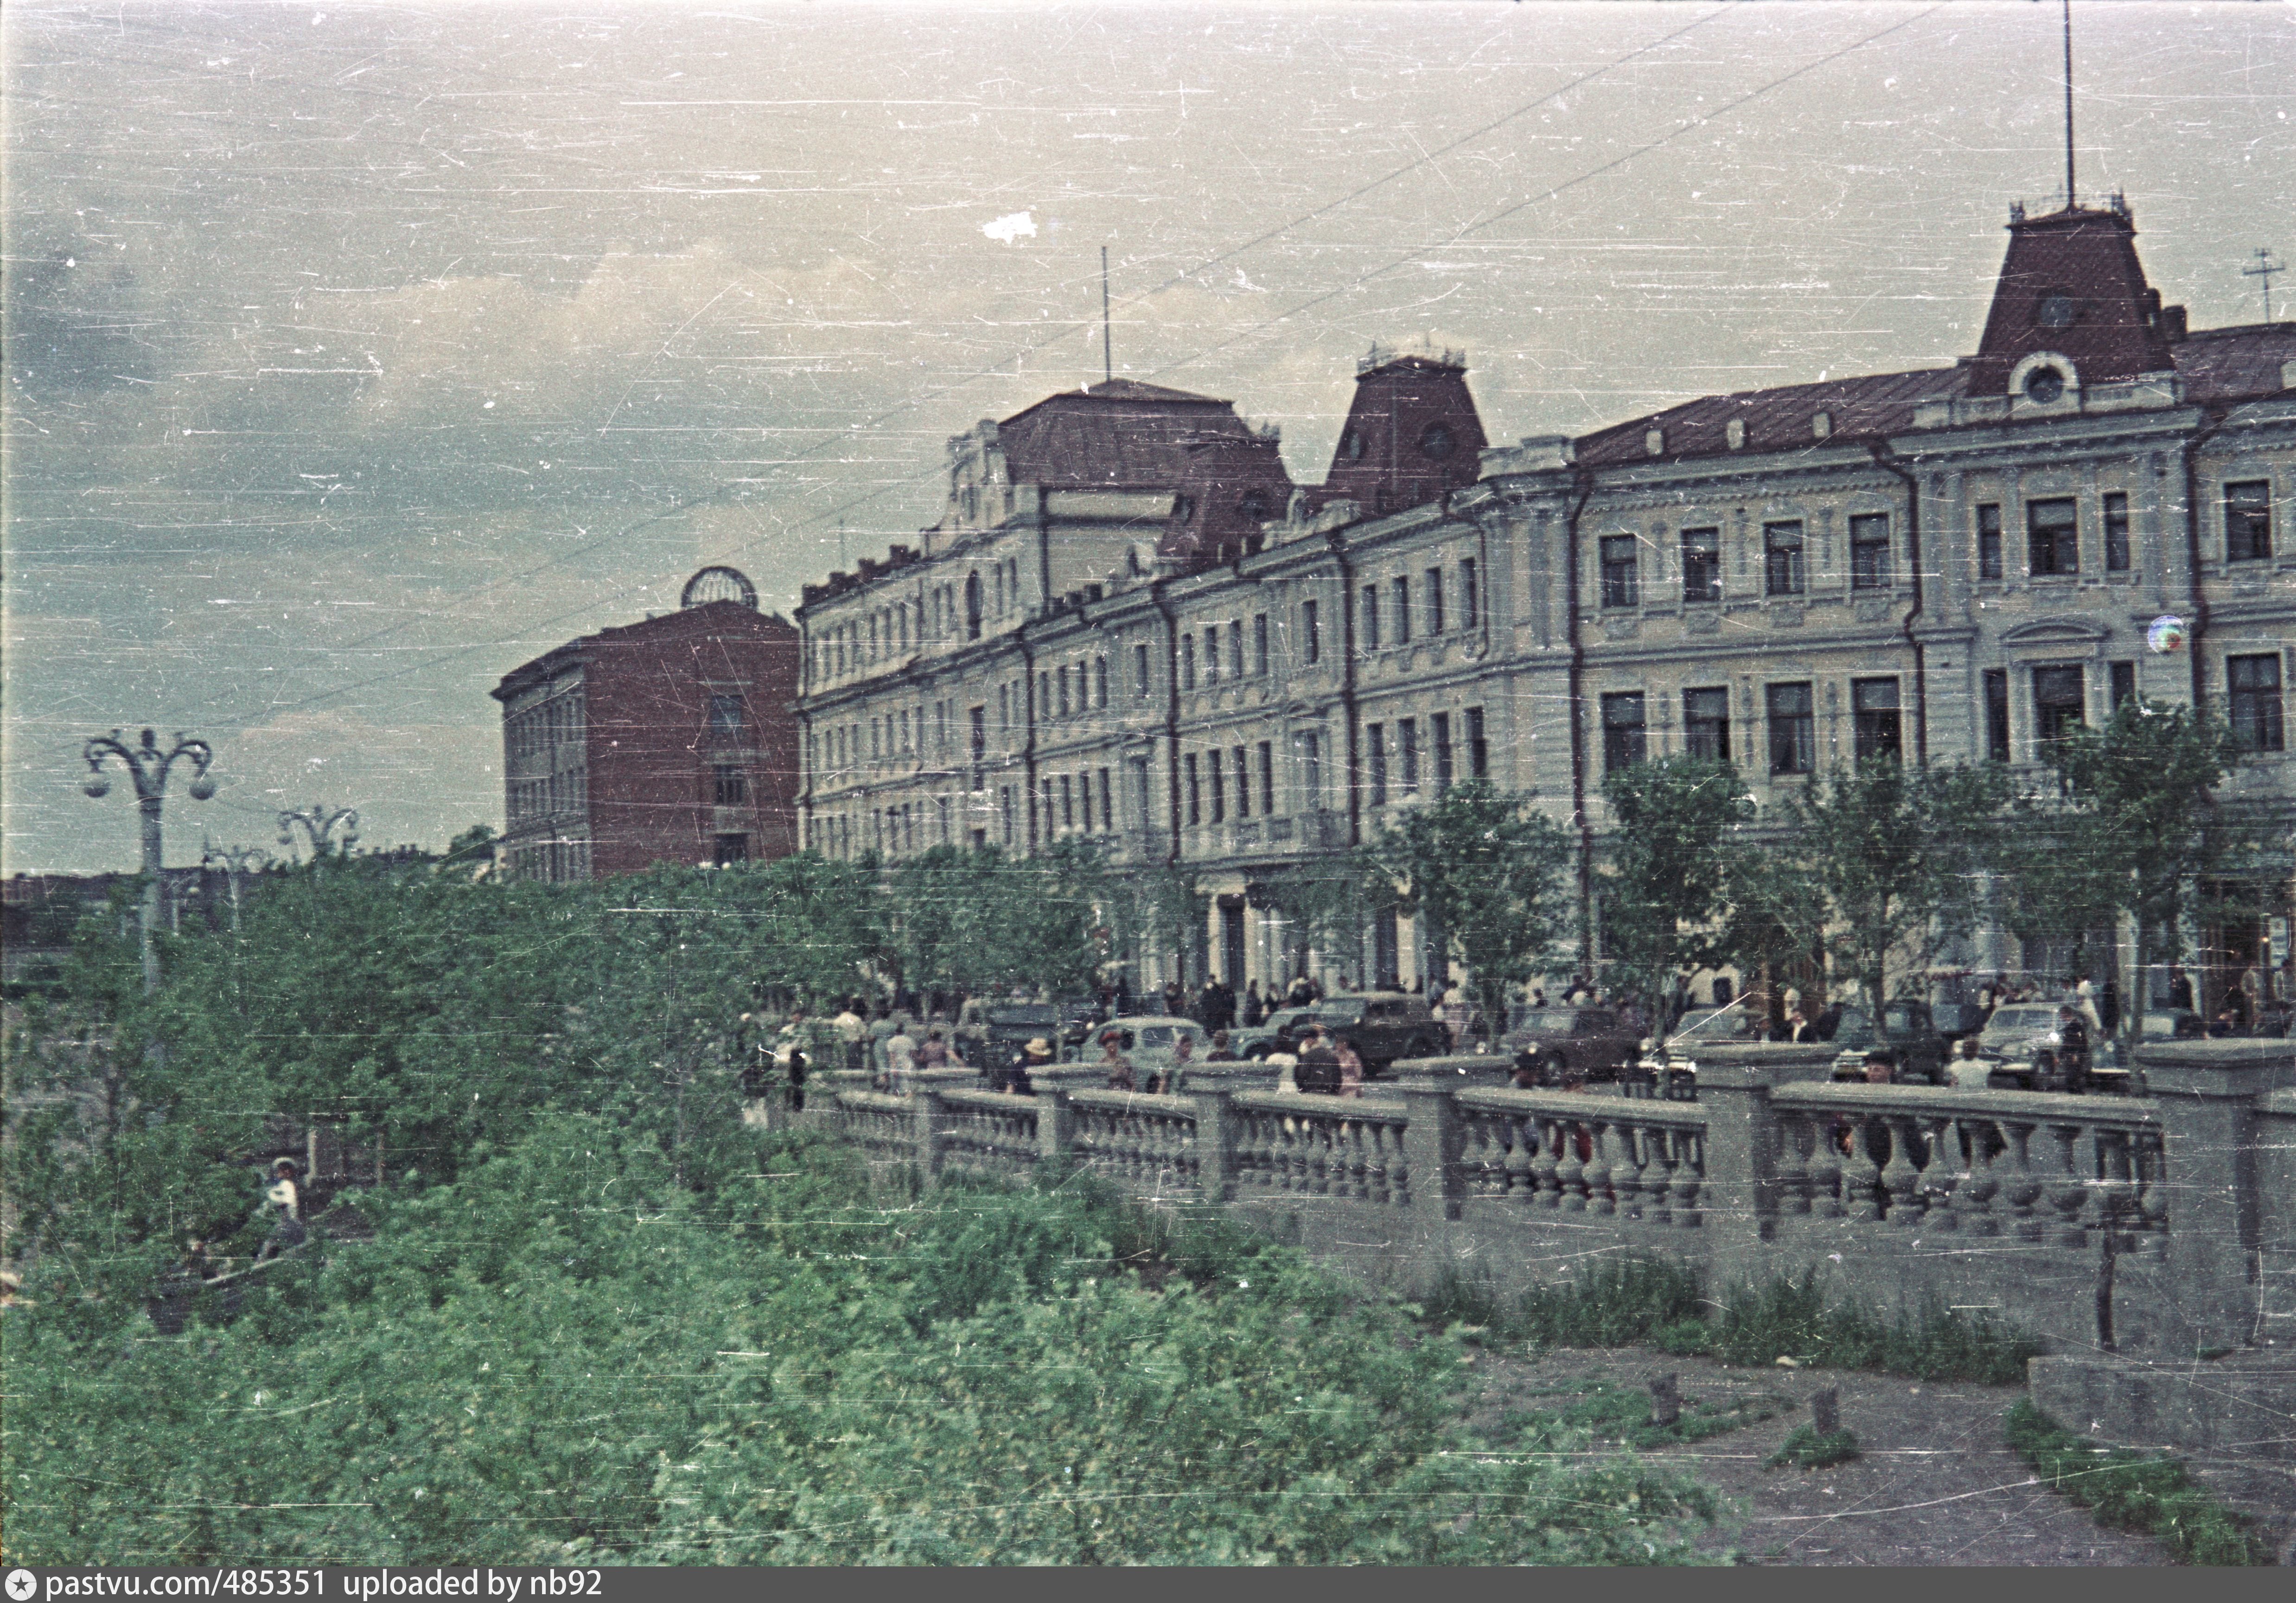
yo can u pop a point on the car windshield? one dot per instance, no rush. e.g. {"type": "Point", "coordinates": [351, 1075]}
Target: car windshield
{"type": "Point", "coordinates": [1344, 1012]}
{"type": "Point", "coordinates": [1727, 1024]}
{"type": "Point", "coordinates": [1155, 1035]}
{"type": "Point", "coordinates": [1543, 1021]}
{"type": "Point", "coordinates": [2012, 1021]}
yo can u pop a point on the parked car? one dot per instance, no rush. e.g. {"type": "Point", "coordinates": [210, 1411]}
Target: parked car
{"type": "Point", "coordinates": [2023, 1043]}
{"type": "Point", "coordinates": [1385, 1025]}
{"type": "Point", "coordinates": [1012, 1025]}
{"type": "Point", "coordinates": [1587, 1043]}
{"type": "Point", "coordinates": [1954, 1019]}
{"type": "Point", "coordinates": [1673, 1065]}
{"type": "Point", "coordinates": [1279, 1031]}
{"type": "Point", "coordinates": [1907, 1031]}
{"type": "Point", "coordinates": [1148, 1040]}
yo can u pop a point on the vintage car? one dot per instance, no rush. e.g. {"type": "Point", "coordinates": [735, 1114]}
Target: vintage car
{"type": "Point", "coordinates": [1385, 1025]}
{"type": "Point", "coordinates": [2023, 1043]}
{"type": "Point", "coordinates": [1582, 1043]}
{"type": "Point", "coordinates": [1279, 1031]}
{"type": "Point", "coordinates": [1907, 1033]}
{"type": "Point", "coordinates": [1149, 1042]}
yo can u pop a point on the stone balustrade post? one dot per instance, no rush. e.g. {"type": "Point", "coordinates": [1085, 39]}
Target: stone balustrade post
{"type": "Point", "coordinates": [1055, 1127]}
{"type": "Point", "coordinates": [1739, 1203]}
{"type": "Point", "coordinates": [1432, 1145]}
{"type": "Point", "coordinates": [929, 1119]}
{"type": "Point", "coordinates": [2206, 1093]}
{"type": "Point", "coordinates": [1215, 1146]}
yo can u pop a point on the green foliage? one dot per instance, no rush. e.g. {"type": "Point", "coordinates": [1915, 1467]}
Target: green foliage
{"type": "Point", "coordinates": [2133, 829]}
{"type": "Point", "coordinates": [1489, 867]}
{"type": "Point", "coordinates": [2135, 1492]}
{"type": "Point", "coordinates": [1894, 854]}
{"type": "Point", "coordinates": [1668, 876]}
{"type": "Point", "coordinates": [1792, 1319]}
{"type": "Point", "coordinates": [975, 1376]}
{"type": "Point", "coordinates": [1806, 1448]}
{"type": "Point", "coordinates": [978, 919]}
{"type": "Point", "coordinates": [1613, 1303]}
{"type": "Point", "coordinates": [1612, 1413]}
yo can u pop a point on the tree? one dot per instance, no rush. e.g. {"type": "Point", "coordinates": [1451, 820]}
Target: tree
{"type": "Point", "coordinates": [1668, 873]}
{"type": "Point", "coordinates": [2135, 829]}
{"type": "Point", "coordinates": [1894, 854]}
{"type": "Point", "coordinates": [1330, 899]}
{"type": "Point", "coordinates": [1488, 870]}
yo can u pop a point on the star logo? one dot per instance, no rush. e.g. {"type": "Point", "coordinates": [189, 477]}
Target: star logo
{"type": "Point", "coordinates": [21, 1586]}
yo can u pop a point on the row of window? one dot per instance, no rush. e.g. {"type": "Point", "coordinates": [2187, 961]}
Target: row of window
{"type": "Point", "coordinates": [530, 737]}
{"type": "Point", "coordinates": [1408, 608]}
{"type": "Point", "coordinates": [554, 862]}
{"type": "Point", "coordinates": [1238, 664]}
{"type": "Point", "coordinates": [947, 611]}
{"type": "Point", "coordinates": [1791, 725]}
{"type": "Point", "coordinates": [1393, 748]}
{"type": "Point", "coordinates": [1784, 569]}
{"type": "Point", "coordinates": [554, 795]}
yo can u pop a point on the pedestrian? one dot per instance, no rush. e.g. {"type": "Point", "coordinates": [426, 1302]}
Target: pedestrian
{"type": "Point", "coordinates": [2084, 1003]}
{"type": "Point", "coordinates": [1351, 1067]}
{"type": "Point", "coordinates": [934, 1052]}
{"type": "Point", "coordinates": [1318, 1071]}
{"type": "Point", "coordinates": [1013, 1077]}
{"type": "Point", "coordinates": [1175, 1000]}
{"type": "Point", "coordinates": [1184, 1058]}
{"type": "Point", "coordinates": [852, 1033]}
{"type": "Point", "coordinates": [756, 1084]}
{"type": "Point", "coordinates": [2180, 989]}
{"type": "Point", "coordinates": [1966, 1069]}
{"type": "Point", "coordinates": [1255, 1005]}
{"type": "Point", "coordinates": [1538, 997]}
{"type": "Point", "coordinates": [1800, 1031]}
{"type": "Point", "coordinates": [2108, 1007]}
{"type": "Point", "coordinates": [1302, 993]}
{"type": "Point", "coordinates": [286, 1203]}
{"type": "Point", "coordinates": [1221, 1051]}
{"type": "Point", "coordinates": [2073, 1044]}
{"type": "Point", "coordinates": [1112, 1059]}
{"type": "Point", "coordinates": [1454, 1011]}
{"type": "Point", "coordinates": [1285, 1061]}
{"type": "Point", "coordinates": [900, 1059]}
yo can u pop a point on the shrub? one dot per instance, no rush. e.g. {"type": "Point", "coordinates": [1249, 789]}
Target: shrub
{"type": "Point", "coordinates": [2135, 1491]}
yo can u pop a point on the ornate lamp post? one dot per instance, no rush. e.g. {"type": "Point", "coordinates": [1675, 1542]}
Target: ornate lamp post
{"type": "Point", "coordinates": [147, 766]}
{"type": "Point", "coordinates": [318, 823]}
{"type": "Point", "coordinates": [234, 862]}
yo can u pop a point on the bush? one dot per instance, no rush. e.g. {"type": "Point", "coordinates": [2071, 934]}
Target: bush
{"type": "Point", "coordinates": [1803, 1446]}
{"type": "Point", "coordinates": [1791, 1318]}
{"type": "Point", "coordinates": [2135, 1492]}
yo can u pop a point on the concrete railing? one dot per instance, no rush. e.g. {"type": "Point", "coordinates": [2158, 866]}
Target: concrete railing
{"type": "Point", "coordinates": [2161, 1225]}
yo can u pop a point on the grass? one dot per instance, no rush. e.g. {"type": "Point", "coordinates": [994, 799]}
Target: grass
{"type": "Point", "coordinates": [1803, 1446]}
{"type": "Point", "coordinates": [1627, 1301]}
{"type": "Point", "coordinates": [2135, 1492]}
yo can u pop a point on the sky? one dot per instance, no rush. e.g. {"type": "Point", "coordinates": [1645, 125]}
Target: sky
{"type": "Point", "coordinates": [357, 354]}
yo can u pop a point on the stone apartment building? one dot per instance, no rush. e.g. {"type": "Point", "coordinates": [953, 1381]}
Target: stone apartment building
{"type": "Point", "coordinates": [1129, 623]}
{"type": "Point", "coordinates": [667, 741]}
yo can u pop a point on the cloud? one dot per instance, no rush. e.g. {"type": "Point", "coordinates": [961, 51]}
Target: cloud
{"type": "Point", "coordinates": [1009, 230]}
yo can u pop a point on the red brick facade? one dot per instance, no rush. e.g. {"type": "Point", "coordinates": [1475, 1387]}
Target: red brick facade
{"type": "Point", "coordinates": [667, 741]}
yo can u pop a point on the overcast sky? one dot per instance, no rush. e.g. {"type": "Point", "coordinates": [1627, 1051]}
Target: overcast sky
{"type": "Point", "coordinates": [358, 354]}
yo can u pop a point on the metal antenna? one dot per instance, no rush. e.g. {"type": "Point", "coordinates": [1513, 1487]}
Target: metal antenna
{"type": "Point", "coordinates": [1107, 338]}
{"type": "Point", "coordinates": [2068, 105]}
{"type": "Point", "coordinates": [2262, 271]}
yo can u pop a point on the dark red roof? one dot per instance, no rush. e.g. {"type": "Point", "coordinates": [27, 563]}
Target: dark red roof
{"type": "Point", "coordinates": [1411, 434]}
{"type": "Point", "coordinates": [1777, 420]}
{"type": "Point", "coordinates": [1128, 435]}
{"type": "Point", "coordinates": [2222, 364]}
{"type": "Point", "coordinates": [2071, 283]}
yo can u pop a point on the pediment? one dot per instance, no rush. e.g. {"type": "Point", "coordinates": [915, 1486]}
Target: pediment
{"type": "Point", "coordinates": [2057, 631]}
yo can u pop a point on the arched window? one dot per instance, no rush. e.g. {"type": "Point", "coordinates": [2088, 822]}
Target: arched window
{"type": "Point", "coordinates": [973, 606]}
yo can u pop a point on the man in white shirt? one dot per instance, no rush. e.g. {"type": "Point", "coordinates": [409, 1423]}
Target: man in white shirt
{"type": "Point", "coordinates": [900, 1061]}
{"type": "Point", "coordinates": [852, 1033]}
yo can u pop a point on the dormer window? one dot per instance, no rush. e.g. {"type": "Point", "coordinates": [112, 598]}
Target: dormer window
{"type": "Point", "coordinates": [2045, 386]}
{"type": "Point", "coordinates": [1733, 434]}
{"type": "Point", "coordinates": [1351, 445]}
{"type": "Point", "coordinates": [1437, 441]}
{"type": "Point", "coordinates": [1654, 441]}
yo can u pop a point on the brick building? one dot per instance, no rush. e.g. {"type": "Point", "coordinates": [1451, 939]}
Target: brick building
{"type": "Point", "coordinates": [669, 741]}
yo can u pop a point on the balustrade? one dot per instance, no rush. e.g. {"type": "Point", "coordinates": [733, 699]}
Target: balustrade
{"type": "Point", "coordinates": [1321, 1147]}
{"type": "Point", "coordinates": [1143, 1142]}
{"type": "Point", "coordinates": [988, 1132]}
{"type": "Point", "coordinates": [1613, 1157]}
{"type": "Point", "coordinates": [2027, 1166]}
{"type": "Point", "coordinates": [883, 1124]}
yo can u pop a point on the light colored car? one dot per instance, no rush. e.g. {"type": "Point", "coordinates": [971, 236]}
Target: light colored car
{"type": "Point", "coordinates": [2017, 1030]}
{"type": "Point", "coordinates": [1149, 1042]}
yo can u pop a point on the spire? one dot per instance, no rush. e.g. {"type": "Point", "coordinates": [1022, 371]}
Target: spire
{"type": "Point", "coordinates": [2071, 198]}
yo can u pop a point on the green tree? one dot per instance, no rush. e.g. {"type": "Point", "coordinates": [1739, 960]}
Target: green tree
{"type": "Point", "coordinates": [1894, 854]}
{"type": "Point", "coordinates": [1668, 875]}
{"type": "Point", "coordinates": [2135, 828]}
{"type": "Point", "coordinates": [1489, 869]}
{"type": "Point", "coordinates": [1330, 899]}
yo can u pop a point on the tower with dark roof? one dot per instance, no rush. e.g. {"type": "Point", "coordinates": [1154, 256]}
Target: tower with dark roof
{"type": "Point", "coordinates": [1412, 435]}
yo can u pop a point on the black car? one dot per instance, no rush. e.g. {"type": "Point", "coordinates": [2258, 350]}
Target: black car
{"type": "Point", "coordinates": [1385, 1025]}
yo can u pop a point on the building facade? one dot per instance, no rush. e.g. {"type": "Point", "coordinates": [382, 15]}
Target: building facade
{"type": "Point", "coordinates": [669, 741]}
{"type": "Point", "coordinates": [1948, 565]}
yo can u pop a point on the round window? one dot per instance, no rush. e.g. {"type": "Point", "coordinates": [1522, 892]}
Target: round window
{"type": "Point", "coordinates": [2045, 385]}
{"type": "Point", "coordinates": [1351, 445]}
{"type": "Point", "coordinates": [2056, 310]}
{"type": "Point", "coordinates": [1437, 441]}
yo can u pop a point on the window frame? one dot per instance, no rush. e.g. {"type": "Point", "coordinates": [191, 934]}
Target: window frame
{"type": "Point", "coordinates": [2253, 522]}
{"type": "Point", "coordinates": [1621, 584]}
{"type": "Point", "coordinates": [2117, 553]}
{"type": "Point", "coordinates": [1792, 732]}
{"type": "Point", "coordinates": [1701, 565]}
{"type": "Point", "coordinates": [2261, 706]}
{"type": "Point", "coordinates": [2062, 549]}
{"type": "Point", "coordinates": [1626, 742]}
{"type": "Point", "coordinates": [1701, 728]}
{"type": "Point", "coordinates": [1784, 563]}
{"type": "Point", "coordinates": [1870, 556]}
{"type": "Point", "coordinates": [1877, 730]}
{"type": "Point", "coordinates": [1989, 543]}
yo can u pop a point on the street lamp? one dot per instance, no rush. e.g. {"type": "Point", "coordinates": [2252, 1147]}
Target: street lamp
{"type": "Point", "coordinates": [234, 862]}
{"type": "Point", "coordinates": [318, 823]}
{"type": "Point", "coordinates": [147, 766]}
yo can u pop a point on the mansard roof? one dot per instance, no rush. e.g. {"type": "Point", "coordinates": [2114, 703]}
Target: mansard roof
{"type": "Point", "coordinates": [2220, 366]}
{"type": "Point", "coordinates": [1782, 419]}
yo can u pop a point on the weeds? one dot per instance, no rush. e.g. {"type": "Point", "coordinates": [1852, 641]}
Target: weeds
{"type": "Point", "coordinates": [1804, 1447]}
{"type": "Point", "coordinates": [2135, 1491]}
{"type": "Point", "coordinates": [1623, 1300]}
